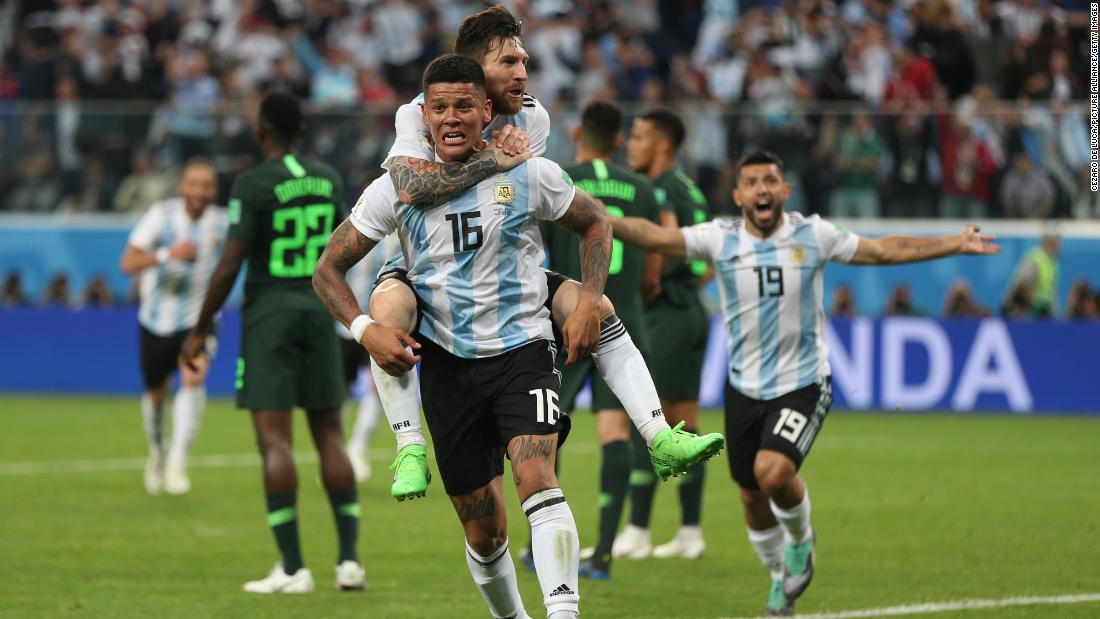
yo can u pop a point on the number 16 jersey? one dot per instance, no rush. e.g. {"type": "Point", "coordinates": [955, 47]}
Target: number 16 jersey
{"type": "Point", "coordinates": [771, 293]}
{"type": "Point", "coordinates": [475, 260]}
{"type": "Point", "coordinates": [286, 208]}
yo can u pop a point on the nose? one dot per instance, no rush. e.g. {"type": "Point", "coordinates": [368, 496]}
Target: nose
{"type": "Point", "coordinates": [521, 72]}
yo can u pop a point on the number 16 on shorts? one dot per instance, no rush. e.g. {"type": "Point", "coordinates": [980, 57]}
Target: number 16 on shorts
{"type": "Point", "coordinates": [546, 402]}
{"type": "Point", "coordinates": [790, 425]}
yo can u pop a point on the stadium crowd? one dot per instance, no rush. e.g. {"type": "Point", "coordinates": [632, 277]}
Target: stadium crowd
{"type": "Point", "coordinates": [895, 108]}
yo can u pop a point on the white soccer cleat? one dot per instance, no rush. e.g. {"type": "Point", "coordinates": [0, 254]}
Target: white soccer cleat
{"type": "Point", "coordinates": [688, 544]}
{"type": "Point", "coordinates": [587, 553]}
{"type": "Point", "coordinates": [175, 478]}
{"type": "Point", "coordinates": [350, 576]}
{"type": "Point", "coordinates": [360, 465]}
{"type": "Point", "coordinates": [154, 473]}
{"type": "Point", "coordinates": [278, 581]}
{"type": "Point", "coordinates": [632, 543]}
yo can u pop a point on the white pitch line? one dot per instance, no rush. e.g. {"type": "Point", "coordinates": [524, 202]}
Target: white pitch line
{"type": "Point", "coordinates": [213, 461]}
{"type": "Point", "coordinates": [939, 607]}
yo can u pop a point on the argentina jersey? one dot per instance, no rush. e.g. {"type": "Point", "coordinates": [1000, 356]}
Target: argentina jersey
{"type": "Point", "coordinates": [172, 292]}
{"type": "Point", "coordinates": [474, 261]}
{"type": "Point", "coordinates": [771, 293]}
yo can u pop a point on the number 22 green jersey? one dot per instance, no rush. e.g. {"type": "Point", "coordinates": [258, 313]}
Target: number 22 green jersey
{"type": "Point", "coordinates": [286, 207]}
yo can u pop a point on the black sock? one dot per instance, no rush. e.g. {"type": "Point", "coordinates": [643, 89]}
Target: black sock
{"type": "Point", "coordinates": [282, 517]}
{"type": "Point", "coordinates": [345, 507]}
{"type": "Point", "coordinates": [614, 482]}
{"type": "Point", "coordinates": [643, 482]}
{"type": "Point", "coordinates": [691, 492]}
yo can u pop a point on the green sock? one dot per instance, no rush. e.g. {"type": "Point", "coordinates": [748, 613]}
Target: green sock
{"type": "Point", "coordinates": [282, 517]}
{"type": "Point", "coordinates": [691, 492]}
{"type": "Point", "coordinates": [614, 481]}
{"type": "Point", "coordinates": [345, 506]}
{"type": "Point", "coordinates": [643, 482]}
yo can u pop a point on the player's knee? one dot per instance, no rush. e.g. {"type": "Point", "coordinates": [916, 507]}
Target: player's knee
{"type": "Point", "coordinates": [531, 479]}
{"type": "Point", "coordinates": [393, 305]}
{"type": "Point", "coordinates": [751, 497]}
{"type": "Point", "coordinates": [774, 474]}
{"type": "Point", "coordinates": [486, 538]}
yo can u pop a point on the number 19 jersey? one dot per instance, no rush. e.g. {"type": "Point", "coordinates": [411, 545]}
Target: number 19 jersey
{"type": "Point", "coordinates": [771, 292]}
{"type": "Point", "coordinates": [286, 207]}
{"type": "Point", "coordinates": [475, 261]}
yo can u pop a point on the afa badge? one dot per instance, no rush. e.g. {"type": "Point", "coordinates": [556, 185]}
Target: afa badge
{"type": "Point", "coordinates": [798, 254]}
{"type": "Point", "coordinates": [504, 193]}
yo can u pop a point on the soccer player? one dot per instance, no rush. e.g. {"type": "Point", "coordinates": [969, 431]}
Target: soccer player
{"type": "Point", "coordinates": [769, 267]}
{"type": "Point", "coordinates": [677, 314]}
{"type": "Point", "coordinates": [487, 378]}
{"type": "Point", "coordinates": [491, 38]}
{"type": "Point", "coordinates": [174, 248]}
{"type": "Point", "coordinates": [281, 214]}
{"type": "Point", "coordinates": [623, 193]}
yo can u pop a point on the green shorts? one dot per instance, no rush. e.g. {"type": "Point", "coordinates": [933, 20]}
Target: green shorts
{"type": "Point", "coordinates": [679, 339]}
{"type": "Point", "coordinates": [290, 359]}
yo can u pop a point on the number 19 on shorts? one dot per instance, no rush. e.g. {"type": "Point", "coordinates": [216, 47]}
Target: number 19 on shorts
{"type": "Point", "coordinates": [790, 425]}
{"type": "Point", "coordinates": [546, 403]}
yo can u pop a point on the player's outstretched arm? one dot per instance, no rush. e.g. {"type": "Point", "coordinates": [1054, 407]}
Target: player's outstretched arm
{"type": "Point", "coordinates": [424, 183]}
{"type": "Point", "coordinates": [588, 219]}
{"type": "Point", "coordinates": [902, 249]}
{"type": "Point", "coordinates": [650, 236]}
{"type": "Point", "coordinates": [221, 284]}
{"type": "Point", "coordinates": [345, 248]}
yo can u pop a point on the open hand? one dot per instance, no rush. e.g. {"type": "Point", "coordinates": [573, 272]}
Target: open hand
{"type": "Point", "coordinates": [974, 243]}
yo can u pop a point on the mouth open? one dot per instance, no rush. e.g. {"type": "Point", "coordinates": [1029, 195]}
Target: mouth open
{"type": "Point", "coordinates": [454, 137]}
{"type": "Point", "coordinates": [515, 93]}
{"type": "Point", "coordinates": [764, 206]}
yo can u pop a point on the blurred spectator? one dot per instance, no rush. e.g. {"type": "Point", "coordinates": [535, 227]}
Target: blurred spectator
{"type": "Point", "coordinates": [144, 186]}
{"type": "Point", "coordinates": [857, 159]}
{"type": "Point", "coordinates": [940, 34]}
{"type": "Point", "coordinates": [399, 27]}
{"type": "Point", "coordinates": [194, 98]}
{"type": "Point", "coordinates": [57, 292]}
{"type": "Point", "coordinates": [844, 302]}
{"type": "Point", "coordinates": [1035, 282]}
{"type": "Point", "coordinates": [960, 302]}
{"type": "Point", "coordinates": [968, 169]}
{"type": "Point", "coordinates": [98, 293]}
{"type": "Point", "coordinates": [1082, 302]}
{"type": "Point", "coordinates": [334, 82]}
{"type": "Point", "coordinates": [911, 143]}
{"type": "Point", "coordinates": [1026, 192]}
{"type": "Point", "coordinates": [900, 303]}
{"type": "Point", "coordinates": [12, 294]}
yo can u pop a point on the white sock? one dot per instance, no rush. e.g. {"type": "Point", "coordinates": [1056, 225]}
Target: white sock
{"type": "Point", "coordinates": [768, 545]}
{"type": "Point", "coordinates": [624, 370]}
{"type": "Point", "coordinates": [153, 418]}
{"type": "Point", "coordinates": [401, 403]}
{"type": "Point", "coordinates": [555, 547]}
{"type": "Point", "coordinates": [495, 577]}
{"type": "Point", "coordinates": [365, 422]}
{"type": "Point", "coordinates": [796, 520]}
{"type": "Point", "coordinates": [187, 409]}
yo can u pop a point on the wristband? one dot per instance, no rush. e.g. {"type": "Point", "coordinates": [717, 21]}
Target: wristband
{"type": "Point", "coordinates": [359, 325]}
{"type": "Point", "coordinates": [162, 255]}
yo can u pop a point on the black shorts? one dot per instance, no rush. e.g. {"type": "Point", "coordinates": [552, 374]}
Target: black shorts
{"type": "Point", "coordinates": [474, 407]}
{"type": "Point", "coordinates": [787, 424]}
{"type": "Point", "coordinates": [352, 356]}
{"type": "Point", "coordinates": [160, 354]}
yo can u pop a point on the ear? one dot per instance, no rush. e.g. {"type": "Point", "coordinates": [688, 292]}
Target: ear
{"type": "Point", "coordinates": [576, 133]}
{"type": "Point", "coordinates": [737, 197]}
{"type": "Point", "coordinates": [488, 115]}
{"type": "Point", "coordinates": [617, 143]}
{"type": "Point", "coordinates": [424, 113]}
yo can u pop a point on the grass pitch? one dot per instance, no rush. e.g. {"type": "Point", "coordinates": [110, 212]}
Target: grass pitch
{"type": "Point", "coordinates": [909, 509]}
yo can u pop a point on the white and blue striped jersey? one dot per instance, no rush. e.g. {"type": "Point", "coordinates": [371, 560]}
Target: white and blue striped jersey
{"type": "Point", "coordinates": [475, 261]}
{"type": "Point", "coordinates": [771, 291]}
{"type": "Point", "coordinates": [172, 293]}
{"type": "Point", "coordinates": [414, 139]}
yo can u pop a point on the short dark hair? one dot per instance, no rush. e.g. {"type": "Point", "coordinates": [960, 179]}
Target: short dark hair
{"type": "Point", "coordinates": [758, 157]}
{"type": "Point", "coordinates": [478, 32]}
{"type": "Point", "coordinates": [282, 114]}
{"type": "Point", "coordinates": [601, 123]}
{"type": "Point", "coordinates": [454, 69]}
{"type": "Point", "coordinates": [669, 124]}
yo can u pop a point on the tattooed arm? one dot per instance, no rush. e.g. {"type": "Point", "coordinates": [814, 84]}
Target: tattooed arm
{"type": "Point", "coordinates": [427, 183]}
{"type": "Point", "coordinates": [345, 248]}
{"type": "Point", "coordinates": [588, 219]}
{"type": "Point", "coordinates": [649, 236]}
{"type": "Point", "coordinates": [902, 249]}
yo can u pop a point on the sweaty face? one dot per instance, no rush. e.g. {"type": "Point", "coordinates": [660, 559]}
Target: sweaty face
{"type": "Point", "coordinates": [198, 187]}
{"type": "Point", "coordinates": [641, 146]}
{"type": "Point", "coordinates": [505, 68]}
{"type": "Point", "coordinates": [456, 115]}
{"type": "Point", "coordinates": [761, 192]}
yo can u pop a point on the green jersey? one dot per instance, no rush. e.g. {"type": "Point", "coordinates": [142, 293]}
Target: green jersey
{"type": "Point", "coordinates": [677, 194]}
{"type": "Point", "coordinates": [286, 208]}
{"type": "Point", "coordinates": [625, 194]}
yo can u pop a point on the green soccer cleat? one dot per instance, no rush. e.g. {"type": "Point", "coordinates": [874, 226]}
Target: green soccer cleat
{"type": "Point", "coordinates": [778, 604]}
{"type": "Point", "coordinates": [798, 567]}
{"type": "Point", "coordinates": [674, 451]}
{"type": "Point", "coordinates": [410, 473]}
